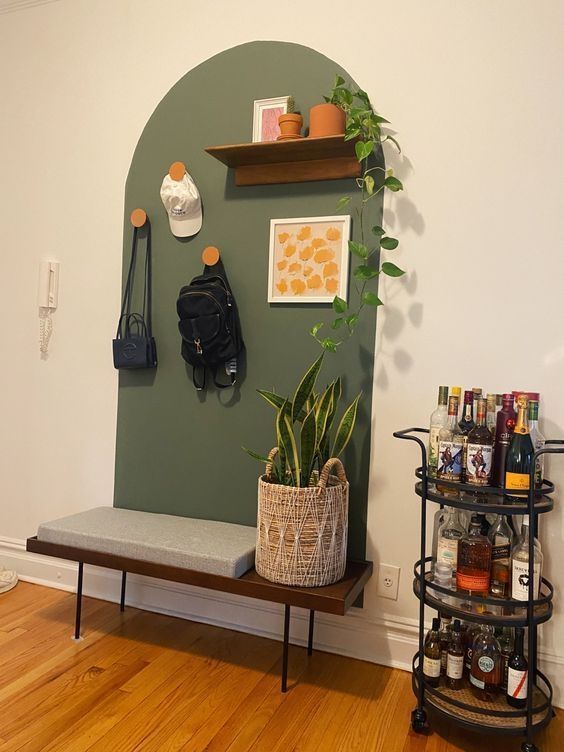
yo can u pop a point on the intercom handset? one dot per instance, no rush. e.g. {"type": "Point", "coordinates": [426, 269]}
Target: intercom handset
{"type": "Point", "coordinates": [47, 298]}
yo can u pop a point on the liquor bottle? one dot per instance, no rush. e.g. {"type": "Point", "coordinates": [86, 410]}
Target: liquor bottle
{"type": "Point", "coordinates": [538, 440]}
{"type": "Point", "coordinates": [445, 636]}
{"type": "Point", "coordinates": [438, 420]}
{"type": "Point", "coordinates": [456, 391]}
{"type": "Point", "coordinates": [517, 670]}
{"type": "Point", "coordinates": [474, 561]}
{"type": "Point", "coordinates": [466, 424]}
{"type": "Point", "coordinates": [440, 516]}
{"type": "Point", "coordinates": [505, 639]}
{"type": "Point", "coordinates": [501, 538]}
{"type": "Point", "coordinates": [476, 395]}
{"type": "Point", "coordinates": [491, 414]}
{"type": "Point", "coordinates": [480, 449]}
{"type": "Point", "coordinates": [455, 658]}
{"type": "Point", "coordinates": [520, 566]}
{"type": "Point", "coordinates": [521, 450]}
{"type": "Point", "coordinates": [485, 673]}
{"type": "Point", "coordinates": [449, 466]}
{"type": "Point", "coordinates": [432, 656]}
{"type": "Point", "coordinates": [504, 430]}
{"type": "Point", "coordinates": [498, 404]}
{"type": "Point", "coordinates": [450, 534]}
{"type": "Point", "coordinates": [442, 575]}
{"type": "Point", "coordinates": [469, 637]}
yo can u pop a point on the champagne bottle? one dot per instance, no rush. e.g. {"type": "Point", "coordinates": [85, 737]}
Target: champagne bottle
{"type": "Point", "coordinates": [521, 450]}
{"type": "Point", "coordinates": [505, 424]}
{"type": "Point", "coordinates": [480, 449]}
{"type": "Point", "coordinates": [432, 656]}
{"type": "Point", "coordinates": [438, 420]}
{"type": "Point", "coordinates": [517, 670]}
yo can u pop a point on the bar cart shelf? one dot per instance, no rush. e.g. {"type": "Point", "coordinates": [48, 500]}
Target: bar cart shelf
{"type": "Point", "coordinates": [461, 706]}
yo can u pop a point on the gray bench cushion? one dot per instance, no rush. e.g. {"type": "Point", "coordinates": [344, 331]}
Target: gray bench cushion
{"type": "Point", "coordinates": [207, 546]}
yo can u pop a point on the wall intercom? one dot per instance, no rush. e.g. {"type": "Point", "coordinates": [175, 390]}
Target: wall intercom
{"type": "Point", "coordinates": [47, 299]}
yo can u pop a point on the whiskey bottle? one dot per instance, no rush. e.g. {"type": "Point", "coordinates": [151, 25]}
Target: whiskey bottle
{"type": "Point", "coordinates": [520, 566]}
{"type": "Point", "coordinates": [469, 636]}
{"type": "Point", "coordinates": [445, 636]}
{"type": "Point", "coordinates": [474, 561]}
{"type": "Point", "coordinates": [538, 440]}
{"type": "Point", "coordinates": [450, 534]}
{"type": "Point", "coordinates": [505, 639]}
{"type": "Point", "coordinates": [438, 420]}
{"type": "Point", "coordinates": [491, 414]}
{"type": "Point", "coordinates": [465, 425]}
{"type": "Point", "coordinates": [485, 673]}
{"type": "Point", "coordinates": [480, 449]}
{"type": "Point", "coordinates": [501, 538]}
{"type": "Point", "coordinates": [505, 424]}
{"type": "Point", "coordinates": [517, 671]}
{"type": "Point", "coordinates": [455, 658]}
{"type": "Point", "coordinates": [449, 466]}
{"type": "Point", "coordinates": [521, 451]}
{"type": "Point", "coordinates": [432, 656]}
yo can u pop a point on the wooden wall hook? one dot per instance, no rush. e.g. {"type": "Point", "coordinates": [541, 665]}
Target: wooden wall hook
{"type": "Point", "coordinates": [210, 255]}
{"type": "Point", "coordinates": [177, 170]}
{"type": "Point", "coordinates": [138, 217]}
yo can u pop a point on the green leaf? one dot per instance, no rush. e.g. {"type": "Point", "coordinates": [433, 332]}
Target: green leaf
{"type": "Point", "coordinates": [379, 119]}
{"type": "Point", "coordinates": [359, 249]}
{"type": "Point", "coordinates": [389, 243]}
{"type": "Point", "coordinates": [369, 183]}
{"type": "Point", "coordinates": [305, 387]}
{"type": "Point", "coordinates": [337, 323]}
{"type": "Point", "coordinates": [329, 344]}
{"type": "Point", "coordinates": [287, 441]}
{"type": "Point", "coordinates": [339, 305]}
{"type": "Point", "coordinates": [370, 298]}
{"type": "Point", "coordinates": [323, 411]}
{"type": "Point", "coordinates": [352, 321]}
{"type": "Point", "coordinates": [363, 149]}
{"type": "Point", "coordinates": [365, 272]}
{"type": "Point", "coordinates": [273, 399]}
{"type": "Point", "coordinates": [315, 328]}
{"type": "Point", "coordinates": [393, 140]}
{"type": "Point", "coordinates": [339, 81]}
{"type": "Point", "coordinates": [308, 446]}
{"type": "Point", "coordinates": [346, 426]}
{"type": "Point", "coordinates": [378, 231]}
{"type": "Point", "coordinates": [342, 202]}
{"type": "Point", "coordinates": [337, 391]}
{"type": "Point", "coordinates": [391, 269]}
{"type": "Point", "coordinates": [393, 184]}
{"type": "Point", "coordinates": [363, 96]}
{"type": "Point", "coordinates": [352, 131]}
{"type": "Point", "coordinates": [255, 456]}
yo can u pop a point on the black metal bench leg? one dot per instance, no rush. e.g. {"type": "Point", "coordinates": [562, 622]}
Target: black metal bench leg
{"type": "Point", "coordinates": [285, 648]}
{"type": "Point", "coordinates": [310, 635]}
{"type": "Point", "coordinates": [78, 601]}
{"type": "Point", "coordinates": [122, 599]}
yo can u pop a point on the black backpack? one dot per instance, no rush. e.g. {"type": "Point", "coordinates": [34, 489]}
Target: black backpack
{"type": "Point", "coordinates": [209, 325]}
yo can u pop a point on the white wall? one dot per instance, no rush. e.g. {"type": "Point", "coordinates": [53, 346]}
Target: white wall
{"type": "Point", "coordinates": [474, 92]}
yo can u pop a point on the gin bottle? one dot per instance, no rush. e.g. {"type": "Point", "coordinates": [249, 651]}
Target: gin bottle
{"type": "Point", "coordinates": [438, 420]}
{"type": "Point", "coordinates": [450, 534]}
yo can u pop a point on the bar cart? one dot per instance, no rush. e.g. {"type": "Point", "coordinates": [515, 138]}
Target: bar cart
{"type": "Point", "coordinates": [461, 706]}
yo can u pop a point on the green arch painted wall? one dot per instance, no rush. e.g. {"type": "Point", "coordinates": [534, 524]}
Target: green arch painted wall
{"type": "Point", "coordinates": [178, 452]}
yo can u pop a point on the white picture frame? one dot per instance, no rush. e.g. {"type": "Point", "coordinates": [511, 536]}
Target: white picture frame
{"type": "Point", "coordinates": [308, 260]}
{"type": "Point", "coordinates": [265, 117]}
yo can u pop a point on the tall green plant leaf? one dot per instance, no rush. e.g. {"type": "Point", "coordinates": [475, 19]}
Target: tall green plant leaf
{"type": "Point", "coordinates": [272, 398]}
{"type": "Point", "coordinates": [308, 447]}
{"type": "Point", "coordinates": [287, 443]}
{"type": "Point", "coordinates": [305, 388]}
{"type": "Point", "coordinates": [345, 429]}
{"type": "Point", "coordinates": [324, 406]}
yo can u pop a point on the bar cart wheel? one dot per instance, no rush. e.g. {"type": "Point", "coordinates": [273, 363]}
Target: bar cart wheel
{"type": "Point", "coordinates": [420, 724]}
{"type": "Point", "coordinates": [529, 747]}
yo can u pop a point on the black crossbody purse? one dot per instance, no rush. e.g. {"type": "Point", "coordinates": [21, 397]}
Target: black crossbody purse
{"type": "Point", "coordinates": [134, 345]}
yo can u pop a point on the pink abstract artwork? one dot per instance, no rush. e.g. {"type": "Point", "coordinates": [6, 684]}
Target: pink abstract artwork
{"type": "Point", "coordinates": [270, 129]}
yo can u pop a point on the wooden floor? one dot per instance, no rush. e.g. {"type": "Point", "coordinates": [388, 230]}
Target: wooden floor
{"type": "Point", "coordinates": [142, 681]}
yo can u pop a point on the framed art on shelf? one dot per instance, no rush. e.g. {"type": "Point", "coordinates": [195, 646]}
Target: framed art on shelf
{"type": "Point", "coordinates": [265, 117]}
{"type": "Point", "coordinates": [308, 259]}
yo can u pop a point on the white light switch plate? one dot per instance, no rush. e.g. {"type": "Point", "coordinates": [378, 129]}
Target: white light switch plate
{"type": "Point", "coordinates": [388, 581]}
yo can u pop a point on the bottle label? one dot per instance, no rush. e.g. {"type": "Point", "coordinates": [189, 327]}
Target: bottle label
{"type": "Point", "coordinates": [434, 447]}
{"type": "Point", "coordinates": [477, 682]}
{"type": "Point", "coordinates": [500, 549]}
{"type": "Point", "coordinates": [431, 667]}
{"type": "Point", "coordinates": [486, 664]}
{"type": "Point", "coordinates": [473, 582]}
{"type": "Point", "coordinates": [517, 481]}
{"type": "Point", "coordinates": [444, 658]}
{"type": "Point", "coordinates": [517, 684]}
{"type": "Point", "coordinates": [479, 464]}
{"type": "Point", "coordinates": [449, 465]}
{"type": "Point", "coordinates": [447, 552]}
{"type": "Point", "coordinates": [455, 666]}
{"type": "Point", "coordinates": [520, 580]}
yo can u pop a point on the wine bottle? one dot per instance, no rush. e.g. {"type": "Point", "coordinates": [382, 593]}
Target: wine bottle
{"type": "Point", "coordinates": [480, 449]}
{"type": "Point", "coordinates": [455, 658]}
{"type": "Point", "coordinates": [521, 450]}
{"type": "Point", "coordinates": [438, 420]}
{"type": "Point", "coordinates": [505, 424]}
{"type": "Point", "coordinates": [538, 441]}
{"type": "Point", "coordinates": [517, 671]}
{"type": "Point", "coordinates": [432, 656]}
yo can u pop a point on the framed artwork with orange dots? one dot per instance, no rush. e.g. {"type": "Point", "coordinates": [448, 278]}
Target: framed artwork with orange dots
{"type": "Point", "coordinates": [309, 259]}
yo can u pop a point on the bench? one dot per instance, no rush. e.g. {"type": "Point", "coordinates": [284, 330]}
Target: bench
{"type": "Point", "coordinates": [208, 554]}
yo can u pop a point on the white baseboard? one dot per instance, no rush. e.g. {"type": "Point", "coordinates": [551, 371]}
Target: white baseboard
{"type": "Point", "coordinates": [388, 642]}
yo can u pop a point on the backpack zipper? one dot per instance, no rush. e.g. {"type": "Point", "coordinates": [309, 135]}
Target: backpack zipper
{"type": "Point", "coordinates": [198, 344]}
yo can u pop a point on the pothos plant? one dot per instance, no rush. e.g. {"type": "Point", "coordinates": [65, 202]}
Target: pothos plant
{"type": "Point", "coordinates": [305, 423]}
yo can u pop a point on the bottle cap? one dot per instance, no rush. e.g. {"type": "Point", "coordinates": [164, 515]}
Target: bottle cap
{"type": "Point", "coordinates": [436, 624]}
{"type": "Point", "coordinates": [443, 395]}
{"type": "Point", "coordinates": [456, 391]}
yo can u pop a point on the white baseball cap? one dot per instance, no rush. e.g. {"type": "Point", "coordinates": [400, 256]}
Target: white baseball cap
{"type": "Point", "coordinates": [182, 202]}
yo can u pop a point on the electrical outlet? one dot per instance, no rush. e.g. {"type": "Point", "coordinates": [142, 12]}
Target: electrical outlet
{"type": "Point", "coordinates": [388, 581]}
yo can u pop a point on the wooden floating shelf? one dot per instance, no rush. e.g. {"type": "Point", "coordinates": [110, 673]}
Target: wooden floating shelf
{"type": "Point", "coordinates": [296, 161]}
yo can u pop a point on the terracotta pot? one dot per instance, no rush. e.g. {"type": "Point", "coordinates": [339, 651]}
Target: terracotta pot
{"type": "Point", "coordinates": [326, 120]}
{"type": "Point", "coordinates": [290, 124]}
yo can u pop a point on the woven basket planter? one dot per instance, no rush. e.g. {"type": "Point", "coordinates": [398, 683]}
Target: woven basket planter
{"type": "Point", "coordinates": [302, 532]}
